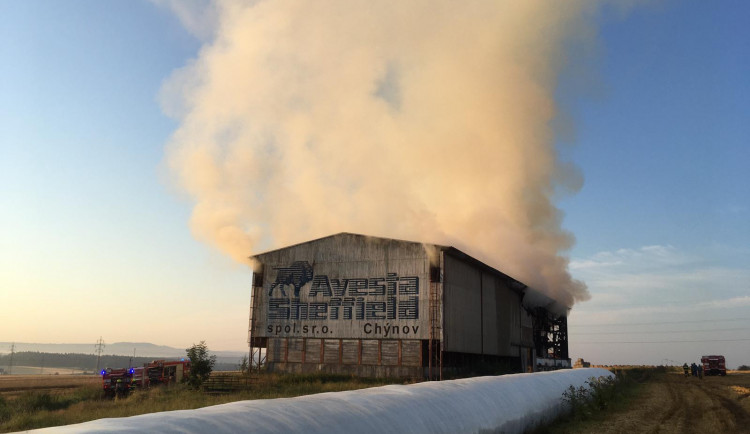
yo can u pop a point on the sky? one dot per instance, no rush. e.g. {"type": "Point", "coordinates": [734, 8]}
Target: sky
{"type": "Point", "coordinates": [98, 239]}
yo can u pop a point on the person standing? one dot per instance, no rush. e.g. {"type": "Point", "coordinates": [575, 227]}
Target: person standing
{"type": "Point", "coordinates": [685, 368]}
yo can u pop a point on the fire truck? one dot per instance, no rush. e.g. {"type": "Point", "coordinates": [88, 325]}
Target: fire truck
{"type": "Point", "coordinates": [121, 382]}
{"type": "Point", "coordinates": [714, 365]}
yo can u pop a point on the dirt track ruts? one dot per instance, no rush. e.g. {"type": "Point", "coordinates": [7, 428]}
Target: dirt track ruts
{"type": "Point", "coordinates": [672, 403]}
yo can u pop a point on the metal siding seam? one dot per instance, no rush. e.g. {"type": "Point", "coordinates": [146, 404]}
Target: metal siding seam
{"type": "Point", "coordinates": [481, 312]}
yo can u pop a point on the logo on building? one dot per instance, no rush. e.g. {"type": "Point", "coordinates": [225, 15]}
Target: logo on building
{"type": "Point", "coordinates": [296, 275]}
{"type": "Point", "coordinates": [389, 297]}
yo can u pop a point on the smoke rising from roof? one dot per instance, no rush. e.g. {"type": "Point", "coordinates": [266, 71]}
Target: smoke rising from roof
{"type": "Point", "coordinates": [417, 120]}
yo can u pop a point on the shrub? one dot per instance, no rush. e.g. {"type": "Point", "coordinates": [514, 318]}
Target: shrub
{"type": "Point", "coordinates": [244, 366]}
{"type": "Point", "coordinates": [595, 396]}
{"type": "Point", "coordinates": [603, 390]}
{"type": "Point", "coordinates": [201, 364]}
{"type": "Point", "coordinates": [576, 399]}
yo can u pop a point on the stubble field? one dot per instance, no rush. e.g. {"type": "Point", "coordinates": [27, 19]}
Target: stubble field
{"type": "Point", "coordinates": [11, 385]}
{"type": "Point", "coordinates": [672, 403]}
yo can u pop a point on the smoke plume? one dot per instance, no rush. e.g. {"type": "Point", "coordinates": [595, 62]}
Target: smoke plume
{"type": "Point", "coordinates": [420, 120]}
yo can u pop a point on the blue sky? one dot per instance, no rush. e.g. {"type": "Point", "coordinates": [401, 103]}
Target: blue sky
{"type": "Point", "coordinates": [662, 219]}
{"type": "Point", "coordinates": [665, 133]}
{"type": "Point", "coordinates": [91, 229]}
{"type": "Point", "coordinates": [95, 240]}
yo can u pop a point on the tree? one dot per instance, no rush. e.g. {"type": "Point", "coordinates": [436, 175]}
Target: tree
{"type": "Point", "coordinates": [244, 365]}
{"type": "Point", "coordinates": [743, 368]}
{"type": "Point", "coordinates": [201, 364]}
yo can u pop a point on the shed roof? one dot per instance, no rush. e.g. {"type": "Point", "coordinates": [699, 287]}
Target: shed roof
{"type": "Point", "coordinates": [532, 297]}
{"type": "Point", "coordinates": [350, 234]}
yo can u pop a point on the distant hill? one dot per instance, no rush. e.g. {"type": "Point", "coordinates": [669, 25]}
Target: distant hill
{"type": "Point", "coordinates": [88, 362]}
{"type": "Point", "coordinates": [142, 349]}
{"type": "Point", "coordinates": [117, 354]}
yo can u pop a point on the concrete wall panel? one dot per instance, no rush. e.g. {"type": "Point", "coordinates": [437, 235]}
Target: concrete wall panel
{"type": "Point", "coordinates": [411, 353]}
{"type": "Point", "coordinates": [313, 350]}
{"type": "Point", "coordinates": [350, 352]}
{"type": "Point", "coordinates": [294, 350]}
{"type": "Point", "coordinates": [370, 352]}
{"type": "Point", "coordinates": [389, 352]}
{"type": "Point", "coordinates": [276, 350]}
{"type": "Point", "coordinates": [331, 349]}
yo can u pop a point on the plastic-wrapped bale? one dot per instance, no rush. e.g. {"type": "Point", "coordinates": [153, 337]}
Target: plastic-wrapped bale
{"type": "Point", "coordinates": [508, 404]}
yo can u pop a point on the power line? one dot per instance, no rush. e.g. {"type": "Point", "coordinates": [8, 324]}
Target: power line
{"type": "Point", "coordinates": [661, 342]}
{"type": "Point", "coordinates": [99, 348]}
{"type": "Point", "coordinates": [12, 352]}
{"type": "Point", "coordinates": [660, 322]}
{"type": "Point", "coordinates": [657, 332]}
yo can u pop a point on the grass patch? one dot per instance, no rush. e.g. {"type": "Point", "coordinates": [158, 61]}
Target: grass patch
{"type": "Point", "coordinates": [600, 398]}
{"type": "Point", "coordinates": [5, 411]}
{"type": "Point", "coordinates": [39, 409]}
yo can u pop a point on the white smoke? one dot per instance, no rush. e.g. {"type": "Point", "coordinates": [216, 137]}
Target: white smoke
{"type": "Point", "coordinates": [419, 120]}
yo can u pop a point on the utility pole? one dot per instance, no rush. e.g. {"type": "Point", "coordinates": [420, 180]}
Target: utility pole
{"type": "Point", "coordinates": [99, 348]}
{"type": "Point", "coordinates": [12, 352]}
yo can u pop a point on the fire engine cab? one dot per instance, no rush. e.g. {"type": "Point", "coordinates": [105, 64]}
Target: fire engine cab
{"type": "Point", "coordinates": [120, 382]}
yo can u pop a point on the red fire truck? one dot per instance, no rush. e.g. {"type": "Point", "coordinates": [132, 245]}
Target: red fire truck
{"type": "Point", "coordinates": [120, 382]}
{"type": "Point", "coordinates": [714, 365]}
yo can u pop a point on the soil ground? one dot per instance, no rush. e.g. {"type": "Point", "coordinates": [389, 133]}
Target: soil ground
{"type": "Point", "coordinates": [673, 403]}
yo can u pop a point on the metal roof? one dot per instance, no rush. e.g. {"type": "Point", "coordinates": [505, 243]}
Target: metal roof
{"type": "Point", "coordinates": [532, 297]}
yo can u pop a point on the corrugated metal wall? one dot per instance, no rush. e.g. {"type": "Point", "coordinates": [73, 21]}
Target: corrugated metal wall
{"type": "Point", "coordinates": [509, 319]}
{"type": "Point", "coordinates": [482, 313]}
{"type": "Point", "coordinates": [345, 286]}
{"type": "Point", "coordinates": [362, 306]}
{"type": "Point", "coordinates": [493, 338]}
{"type": "Point", "coordinates": [347, 304]}
{"type": "Point", "coordinates": [462, 308]}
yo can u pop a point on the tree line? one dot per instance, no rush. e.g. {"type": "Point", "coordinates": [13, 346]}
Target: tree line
{"type": "Point", "coordinates": [83, 362]}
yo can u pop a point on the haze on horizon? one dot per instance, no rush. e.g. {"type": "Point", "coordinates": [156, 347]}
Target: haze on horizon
{"type": "Point", "coordinates": [618, 129]}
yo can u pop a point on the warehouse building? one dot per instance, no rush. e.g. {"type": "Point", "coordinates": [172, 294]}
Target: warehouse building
{"type": "Point", "coordinates": [369, 306]}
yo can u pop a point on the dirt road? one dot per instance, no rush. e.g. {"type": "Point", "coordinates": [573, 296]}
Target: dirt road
{"type": "Point", "coordinates": [672, 403]}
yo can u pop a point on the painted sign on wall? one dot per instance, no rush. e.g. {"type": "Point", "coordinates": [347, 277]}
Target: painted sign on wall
{"type": "Point", "coordinates": [300, 300]}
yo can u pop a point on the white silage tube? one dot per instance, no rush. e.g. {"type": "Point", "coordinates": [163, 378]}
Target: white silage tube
{"type": "Point", "coordinates": [507, 404]}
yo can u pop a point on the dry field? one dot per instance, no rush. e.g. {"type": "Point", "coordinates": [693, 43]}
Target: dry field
{"type": "Point", "coordinates": [12, 385]}
{"type": "Point", "coordinates": [42, 401]}
{"type": "Point", "coordinates": [36, 370]}
{"type": "Point", "coordinates": [667, 402]}
{"type": "Point", "coordinates": [672, 403]}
